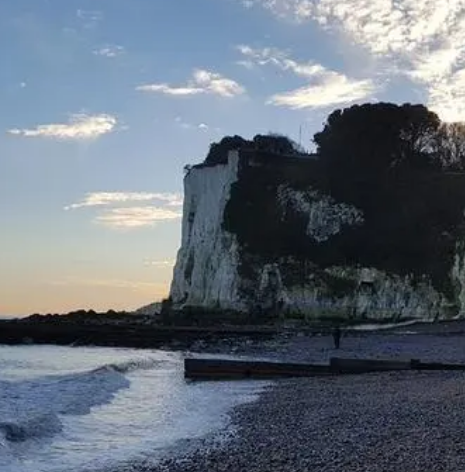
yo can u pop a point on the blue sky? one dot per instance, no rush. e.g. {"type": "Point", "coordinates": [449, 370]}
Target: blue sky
{"type": "Point", "coordinates": [104, 101]}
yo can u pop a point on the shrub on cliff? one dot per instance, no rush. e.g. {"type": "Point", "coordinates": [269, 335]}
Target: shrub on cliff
{"type": "Point", "coordinates": [268, 143]}
{"type": "Point", "coordinates": [218, 153]}
{"type": "Point", "coordinates": [276, 143]}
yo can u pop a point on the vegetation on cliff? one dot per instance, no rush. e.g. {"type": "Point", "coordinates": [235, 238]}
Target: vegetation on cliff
{"type": "Point", "coordinates": [274, 143]}
{"type": "Point", "coordinates": [398, 164]}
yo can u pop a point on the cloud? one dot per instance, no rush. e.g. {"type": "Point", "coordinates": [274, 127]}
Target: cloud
{"type": "Point", "coordinates": [136, 217]}
{"type": "Point", "coordinates": [89, 15]}
{"type": "Point", "coordinates": [202, 82]}
{"type": "Point", "coordinates": [423, 40]}
{"type": "Point", "coordinates": [79, 127]}
{"type": "Point", "coordinates": [109, 198]}
{"type": "Point", "coordinates": [122, 216]}
{"type": "Point", "coordinates": [334, 89]}
{"type": "Point", "coordinates": [109, 51]}
{"type": "Point", "coordinates": [297, 9]}
{"type": "Point", "coordinates": [326, 87]}
{"type": "Point", "coordinates": [278, 58]}
{"type": "Point", "coordinates": [190, 126]}
{"type": "Point", "coordinates": [447, 97]}
{"type": "Point", "coordinates": [161, 264]}
{"type": "Point", "coordinates": [89, 18]}
{"type": "Point", "coordinates": [168, 90]}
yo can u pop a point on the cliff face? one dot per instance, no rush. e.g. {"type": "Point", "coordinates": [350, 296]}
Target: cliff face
{"type": "Point", "coordinates": [261, 236]}
{"type": "Point", "coordinates": [206, 271]}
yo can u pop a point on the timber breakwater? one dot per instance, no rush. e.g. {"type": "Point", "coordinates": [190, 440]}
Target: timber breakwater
{"type": "Point", "coordinates": [224, 369]}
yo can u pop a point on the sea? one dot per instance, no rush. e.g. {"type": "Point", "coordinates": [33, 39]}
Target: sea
{"type": "Point", "coordinates": [89, 409]}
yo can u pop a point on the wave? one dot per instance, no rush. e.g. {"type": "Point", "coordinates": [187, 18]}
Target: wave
{"type": "Point", "coordinates": [31, 409]}
{"type": "Point", "coordinates": [29, 428]}
{"type": "Point", "coordinates": [133, 365]}
{"type": "Point", "coordinates": [385, 326]}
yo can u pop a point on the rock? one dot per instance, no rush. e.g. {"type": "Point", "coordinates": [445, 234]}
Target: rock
{"type": "Point", "coordinates": [270, 268]}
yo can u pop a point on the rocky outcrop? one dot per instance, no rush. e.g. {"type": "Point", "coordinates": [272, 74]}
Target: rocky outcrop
{"type": "Point", "coordinates": [325, 217]}
{"type": "Point", "coordinates": [259, 237]}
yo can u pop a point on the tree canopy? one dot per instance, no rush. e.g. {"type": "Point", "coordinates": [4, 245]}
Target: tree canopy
{"type": "Point", "coordinates": [274, 143]}
{"type": "Point", "coordinates": [377, 137]}
{"type": "Point", "coordinates": [364, 148]}
{"type": "Point", "coordinates": [218, 153]}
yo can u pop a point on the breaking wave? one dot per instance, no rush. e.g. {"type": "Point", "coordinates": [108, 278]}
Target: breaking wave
{"type": "Point", "coordinates": [31, 409]}
{"type": "Point", "coordinates": [30, 428]}
{"type": "Point", "coordinates": [133, 365]}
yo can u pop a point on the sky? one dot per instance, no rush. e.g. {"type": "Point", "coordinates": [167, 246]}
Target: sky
{"type": "Point", "coordinates": [103, 102]}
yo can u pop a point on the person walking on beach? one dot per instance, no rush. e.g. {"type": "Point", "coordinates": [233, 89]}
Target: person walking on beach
{"type": "Point", "coordinates": [337, 337]}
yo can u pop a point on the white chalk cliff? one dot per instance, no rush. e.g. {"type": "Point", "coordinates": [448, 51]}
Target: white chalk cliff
{"type": "Point", "coordinates": [214, 270]}
{"type": "Point", "coordinates": [206, 271]}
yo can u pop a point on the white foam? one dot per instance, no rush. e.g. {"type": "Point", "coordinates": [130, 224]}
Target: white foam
{"type": "Point", "coordinates": [30, 408]}
{"type": "Point", "coordinates": [31, 427]}
{"type": "Point", "coordinates": [80, 409]}
{"type": "Point", "coordinates": [383, 326]}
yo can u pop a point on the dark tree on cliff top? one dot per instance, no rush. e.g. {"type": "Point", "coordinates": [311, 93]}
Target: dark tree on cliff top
{"type": "Point", "coordinates": [376, 137]}
{"type": "Point", "coordinates": [218, 153]}
{"type": "Point", "coordinates": [272, 143]}
{"type": "Point", "coordinates": [362, 147]}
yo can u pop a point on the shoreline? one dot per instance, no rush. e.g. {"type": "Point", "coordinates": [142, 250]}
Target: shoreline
{"type": "Point", "coordinates": [383, 422]}
{"type": "Point", "coordinates": [378, 422]}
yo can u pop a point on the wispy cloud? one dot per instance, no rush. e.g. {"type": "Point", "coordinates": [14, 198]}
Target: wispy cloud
{"type": "Point", "coordinates": [280, 59]}
{"type": "Point", "coordinates": [191, 126]}
{"type": "Point", "coordinates": [168, 263]}
{"type": "Point", "coordinates": [109, 51]}
{"type": "Point", "coordinates": [93, 15]}
{"type": "Point", "coordinates": [423, 40]}
{"type": "Point", "coordinates": [326, 87]}
{"type": "Point", "coordinates": [122, 212]}
{"type": "Point", "coordinates": [89, 18]}
{"type": "Point", "coordinates": [298, 9]}
{"type": "Point", "coordinates": [202, 82]}
{"type": "Point", "coordinates": [79, 127]}
{"type": "Point", "coordinates": [168, 90]}
{"type": "Point", "coordinates": [94, 199]}
{"type": "Point", "coordinates": [447, 97]}
{"type": "Point", "coordinates": [333, 89]}
{"type": "Point", "coordinates": [136, 217]}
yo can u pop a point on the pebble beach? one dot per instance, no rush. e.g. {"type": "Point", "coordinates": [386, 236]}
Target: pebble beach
{"type": "Point", "coordinates": [398, 421]}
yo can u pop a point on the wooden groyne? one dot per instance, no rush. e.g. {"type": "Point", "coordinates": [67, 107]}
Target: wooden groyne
{"type": "Point", "coordinates": [227, 369]}
{"type": "Point", "coordinates": [232, 369]}
{"type": "Point", "coordinates": [363, 366]}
